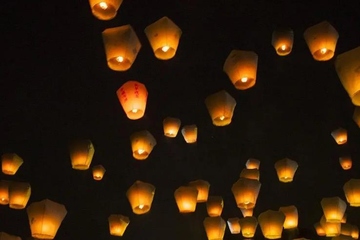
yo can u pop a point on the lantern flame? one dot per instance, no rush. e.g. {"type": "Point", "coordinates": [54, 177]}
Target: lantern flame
{"type": "Point", "coordinates": [103, 5]}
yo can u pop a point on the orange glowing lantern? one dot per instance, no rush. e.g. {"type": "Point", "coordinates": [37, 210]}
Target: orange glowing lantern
{"type": "Point", "coordinates": [319, 229]}
{"type": "Point", "coordinates": [19, 194]}
{"type": "Point", "coordinates": [105, 9]}
{"type": "Point", "coordinates": [346, 229]}
{"type": "Point", "coordinates": [271, 223]}
{"type": "Point", "coordinates": [248, 226]}
{"type": "Point", "coordinates": [252, 163]}
{"type": "Point", "coordinates": [6, 236]}
{"type": "Point", "coordinates": [285, 169]}
{"type": "Point", "coordinates": [4, 192]}
{"type": "Point", "coordinates": [203, 189]}
{"type": "Point", "coordinates": [356, 116]}
{"type": "Point", "coordinates": [140, 196]}
{"type": "Point", "coordinates": [98, 172]}
{"type": "Point", "coordinates": [118, 224]}
{"type": "Point", "coordinates": [340, 136]}
{"type": "Point", "coordinates": [215, 228]}
{"type": "Point", "coordinates": [291, 216]}
{"type": "Point", "coordinates": [334, 209]}
{"type": "Point", "coordinates": [189, 133]}
{"type": "Point", "coordinates": [247, 212]}
{"type": "Point", "coordinates": [355, 232]}
{"type": "Point", "coordinates": [332, 229]}
{"type": "Point", "coordinates": [250, 174]}
{"type": "Point", "coordinates": [214, 206]}
{"type": "Point", "coordinates": [345, 162]}
{"type": "Point", "coordinates": [234, 225]}
{"type": "Point", "coordinates": [171, 126]}
{"type": "Point", "coordinates": [221, 107]}
{"type": "Point", "coordinates": [186, 198]}
{"type": "Point", "coordinates": [352, 192]}
{"type": "Point", "coordinates": [81, 154]}
{"type": "Point", "coordinates": [282, 41]}
{"type": "Point", "coordinates": [10, 163]}
{"type": "Point", "coordinates": [142, 143]}
{"type": "Point", "coordinates": [246, 192]}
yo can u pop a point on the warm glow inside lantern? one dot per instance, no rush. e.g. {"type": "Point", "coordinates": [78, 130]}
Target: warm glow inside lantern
{"type": "Point", "coordinates": [355, 232]}
{"type": "Point", "coordinates": [132, 96]}
{"type": "Point", "coordinates": [221, 107]}
{"type": "Point", "coordinates": [81, 154]}
{"type": "Point", "coordinates": [118, 224]}
{"type": "Point", "coordinates": [186, 199]}
{"type": "Point", "coordinates": [98, 172]}
{"type": "Point", "coordinates": [321, 40]}
{"type": "Point", "coordinates": [140, 196]}
{"type": "Point", "coordinates": [345, 162]}
{"type": "Point", "coordinates": [247, 212]}
{"type": "Point", "coordinates": [45, 218]}
{"type": "Point", "coordinates": [271, 223]}
{"type": "Point", "coordinates": [142, 143]}
{"type": "Point", "coordinates": [334, 209]}
{"type": "Point", "coordinates": [164, 36]}
{"type": "Point", "coordinates": [121, 47]}
{"type": "Point", "coordinates": [171, 126]}
{"type": "Point", "coordinates": [285, 169]}
{"type": "Point", "coordinates": [241, 68]}
{"type": "Point", "coordinates": [319, 229]}
{"type": "Point", "coordinates": [234, 225]}
{"type": "Point", "coordinates": [252, 163]}
{"type": "Point", "coordinates": [356, 115]}
{"type": "Point", "coordinates": [215, 228]}
{"type": "Point", "coordinates": [19, 194]}
{"type": "Point", "coordinates": [10, 163]}
{"type": "Point", "coordinates": [291, 216]}
{"type": "Point", "coordinates": [352, 192]}
{"type": "Point", "coordinates": [282, 41]}
{"type": "Point", "coordinates": [189, 133]}
{"type": "Point", "coordinates": [214, 206]}
{"type": "Point", "coordinates": [250, 174]}
{"type": "Point", "coordinates": [6, 236]}
{"type": "Point", "coordinates": [248, 226]}
{"type": "Point", "coordinates": [340, 136]}
{"type": "Point", "coordinates": [246, 192]}
{"type": "Point", "coordinates": [332, 229]}
{"type": "Point", "coordinates": [203, 189]}
{"type": "Point", "coordinates": [4, 192]}
{"type": "Point", "coordinates": [105, 9]}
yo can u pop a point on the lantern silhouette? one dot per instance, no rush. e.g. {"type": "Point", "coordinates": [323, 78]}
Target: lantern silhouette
{"type": "Point", "coordinates": [285, 169]}
{"type": "Point", "coordinates": [215, 228]}
{"type": "Point", "coordinates": [282, 41]}
{"type": "Point", "coordinates": [164, 36]}
{"type": "Point", "coordinates": [142, 143]}
{"type": "Point", "coordinates": [343, 220]}
{"type": "Point", "coordinates": [186, 198]}
{"type": "Point", "coordinates": [98, 172]}
{"type": "Point", "coordinates": [333, 208]}
{"type": "Point", "coordinates": [352, 192]}
{"type": "Point", "coordinates": [321, 40]}
{"type": "Point", "coordinates": [171, 126]}
{"type": "Point", "coordinates": [81, 154]}
{"type": "Point", "coordinates": [250, 174]}
{"type": "Point", "coordinates": [189, 133]}
{"type": "Point", "coordinates": [346, 229]}
{"type": "Point", "coordinates": [10, 163]}
{"type": "Point", "coordinates": [252, 163]}
{"type": "Point", "coordinates": [247, 212]}
{"type": "Point", "coordinates": [355, 232]}
{"type": "Point", "coordinates": [234, 225]}
{"type": "Point", "coordinates": [248, 226]}
{"type": "Point", "coordinates": [203, 189]}
{"type": "Point", "coordinates": [291, 216]}
{"type": "Point", "coordinates": [121, 47]}
{"type": "Point", "coordinates": [118, 224]}
{"type": "Point", "coordinates": [319, 229]}
{"type": "Point", "coordinates": [19, 194]}
{"type": "Point", "coordinates": [45, 218]}
{"type": "Point", "coordinates": [356, 116]}
{"type": "Point", "coordinates": [345, 162]}
{"type": "Point", "coordinates": [221, 107]}
{"type": "Point", "coordinates": [4, 192]}
{"type": "Point", "coordinates": [132, 96]}
{"type": "Point", "coordinates": [140, 196]}
{"type": "Point", "coordinates": [246, 192]}
{"type": "Point", "coordinates": [241, 68]}
{"type": "Point", "coordinates": [332, 229]}
{"type": "Point", "coordinates": [105, 9]}
{"type": "Point", "coordinates": [340, 136]}
{"type": "Point", "coordinates": [6, 236]}
{"type": "Point", "coordinates": [214, 206]}
{"type": "Point", "coordinates": [271, 223]}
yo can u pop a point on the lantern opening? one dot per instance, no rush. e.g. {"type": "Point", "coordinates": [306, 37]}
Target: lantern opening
{"type": "Point", "coordinates": [244, 83]}
{"type": "Point", "coordinates": [104, 11]}
{"type": "Point", "coordinates": [283, 50]}
{"type": "Point", "coordinates": [324, 53]}
{"type": "Point", "coordinates": [119, 62]}
{"type": "Point", "coordinates": [165, 52]}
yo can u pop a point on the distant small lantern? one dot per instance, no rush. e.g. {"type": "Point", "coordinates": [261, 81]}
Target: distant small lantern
{"type": "Point", "coordinates": [247, 212]}
{"type": "Point", "coordinates": [140, 196]}
{"type": "Point", "coordinates": [340, 136]}
{"type": "Point", "coordinates": [121, 47]}
{"type": "Point", "coordinates": [252, 163]}
{"type": "Point", "coordinates": [285, 169]}
{"type": "Point", "coordinates": [142, 143]}
{"type": "Point", "coordinates": [344, 219]}
{"type": "Point", "coordinates": [282, 41]}
{"type": "Point", "coordinates": [19, 194]}
{"type": "Point", "coordinates": [171, 126]}
{"type": "Point", "coordinates": [345, 162]}
{"type": "Point", "coordinates": [203, 189]}
{"type": "Point", "coordinates": [10, 163]}
{"type": "Point", "coordinates": [6, 236]}
{"type": "Point", "coordinates": [189, 133]}
{"type": "Point", "coordinates": [81, 154]}
{"type": "Point", "coordinates": [250, 174]}
{"type": "Point", "coordinates": [132, 96]}
{"type": "Point", "coordinates": [291, 216]}
{"type": "Point", "coordinates": [105, 9]}
{"type": "Point", "coordinates": [98, 172]}
{"type": "Point", "coordinates": [334, 209]}
{"type": "Point", "coordinates": [355, 232]}
{"type": "Point", "coordinates": [271, 223]}
{"type": "Point", "coordinates": [214, 206]}
{"type": "Point", "coordinates": [332, 229]}
{"type": "Point", "coordinates": [4, 192]}
{"type": "Point", "coordinates": [118, 224]}
{"type": "Point", "coordinates": [221, 107]}
{"type": "Point", "coordinates": [356, 116]}
{"type": "Point", "coordinates": [321, 40]}
{"type": "Point", "coordinates": [246, 192]}
{"type": "Point", "coordinates": [346, 229]}
{"type": "Point", "coordinates": [215, 228]}
{"type": "Point", "coordinates": [352, 192]}
{"type": "Point", "coordinates": [45, 218]}
{"type": "Point", "coordinates": [248, 226]}
{"type": "Point", "coordinates": [234, 225]}
{"type": "Point", "coordinates": [186, 199]}
{"type": "Point", "coordinates": [319, 229]}
{"type": "Point", "coordinates": [164, 36]}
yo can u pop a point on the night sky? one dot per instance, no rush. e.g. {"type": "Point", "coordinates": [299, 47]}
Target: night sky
{"type": "Point", "coordinates": [56, 87]}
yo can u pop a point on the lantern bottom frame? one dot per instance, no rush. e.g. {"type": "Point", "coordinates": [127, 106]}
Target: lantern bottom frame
{"type": "Point", "coordinates": [80, 167]}
{"type": "Point", "coordinates": [221, 121]}
{"type": "Point", "coordinates": [164, 55]}
{"type": "Point", "coordinates": [144, 209]}
{"type": "Point", "coordinates": [240, 85]}
{"type": "Point", "coordinates": [318, 55]}
{"type": "Point", "coordinates": [115, 65]}
{"type": "Point", "coordinates": [281, 52]}
{"type": "Point", "coordinates": [104, 14]}
{"type": "Point", "coordinates": [42, 236]}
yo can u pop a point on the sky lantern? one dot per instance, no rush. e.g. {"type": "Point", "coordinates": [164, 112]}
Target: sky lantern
{"type": "Point", "coordinates": [334, 209]}
{"type": "Point", "coordinates": [250, 174]}
{"type": "Point", "coordinates": [140, 196]}
{"type": "Point", "coordinates": [247, 212]}
{"type": "Point", "coordinates": [352, 192]}
{"type": "Point", "coordinates": [121, 47]}
{"type": "Point", "coordinates": [355, 232]}
{"type": "Point", "coordinates": [4, 192]}
{"type": "Point", "coordinates": [241, 68]}
{"type": "Point", "coordinates": [221, 107]}
{"type": "Point", "coordinates": [142, 143]}
{"type": "Point", "coordinates": [186, 198]}
{"type": "Point", "coordinates": [346, 229]}
{"type": "Point", "coordinates": [321, 40]}
{"type": "Point", "coordinates": [252, 163]}
{"type": "Point", "coordinates": [189, 133]}
{"type": "Point", "coordinates": [246, 192]}
{"type": "Point", "coordinates": [6, 236]}
{"type": "Point", "coordinates": [105, 9]}
{"type": "Point", "coordinates": [214, 228]}
{"type": "Point", "coordinates": [291, 216]}
{"type": "Point", "coordinates": [98, 172]}
{"type": "Point", "coordinates": [345, 162]}
{"type": "Point", "coordinates": [248, 226]}
{"type": "Point", "coordinates": [234, 225]}
{"type": "Point", "coordinates": [19, 194]}
{"type": "Point", "coordinates": [132, 96]}
{"type": "Point", "coordinates": [164, 36]}
{"type": "Point", "coordinates": [171, 126]}
{"type": "Point", "coordinates": [340, 136]}
{"type": "Point", "coordinates": [332, 229]}
{"type": "Point", "coordinates": [118, 224]}
{"type": "Point", "coordinates": [81, 154]}
{"type": "Point", "coordinates": [356, 116]}
{"type": "Point", "coordinates": [319, 229]}
{"type": "Point", "coordinates": [285, 169]}
{"type": "Point", "coordinates": [271, 223]}
{"type": "Point", "coordinates": [282, 41]}
{"type": "Point", "coordinates": [203, 189]}
{"type": "Point", "coordinates": [10, 163]}
{"type": "Point", "coordinates": [45, 218]}
{"type": "Point", "coordinates": [214, 206]}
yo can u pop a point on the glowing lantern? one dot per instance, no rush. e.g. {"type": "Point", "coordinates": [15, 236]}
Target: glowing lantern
{"type": "Point", "coordinates": [321, 40]}
{"type": "Point", "coordinates": [140, 196]}
{"type": "Point", "coordinates": [203, 189]}
{"type": "Point", "coordinates": [250, 174]}
{"type": "Point", "coordinates": [6, 236]}
{"type": "Point", "coordinates": [132, 96]}
{"type": "Point", "coordinates": [355, 232]}
{"type": "Point", "coordinates": [332, 229]}
{"type": "Point", "coordinates": [186, 198]}
{"type": "Point", "coordinates": [343, 220]}
{"type": "Point", "coordinates": [241, 68]}
{"type": "Point", "coordinates": [81, 154]}
{"type": "Point", "coordinates": [10, 163]}
{"type": "Point", "coordinates": [118, 224]}
{"type": "Point", "coordinates": [19, 194]}
{"type": "Point", "coordinates": [214, 206]}
{"type": "Point", "coordinates": [333, 208]}
{"type": "Point", "coordinates": [142, 143]}
{"type": "Point", "coordinates": [340, 136]}
{"type": "Point", "coordinates": [4, 192]}
{"type": "Point", "coordinates": [319, 229]}
{"type": "Point", "coordinates": [164, 36]}
{"type": "Point", "coordinates": [105, 9]}
{"type": "Point", "coordinates": [214, 228]}
{"type": "Point", "coordinates": [247, 212]}
{"type": "Point", "coordinates": [234, 225]}
{"type": "Point", "coordinates": [282, 41]}
{"type": "Point", "coordinates": [345, 162]}
{"type": "Point", "coordinates": [252, 163]}
{"type": "Point", "coordinates": [45, 218]}
{"type": "Point", "coordinates": [291, 216]}
{"type": "Point", "coordinates": [189, 133]}
{"type": "Point", "coordinates": [285, 169]}
{"type": "Point", "coordinates": [352, 192]}
{"type": "Point", "coordinates": [356, 116]}
{"type": "Point", "coordinates": [171, 126]}
{"type": "Point", "coordinates": [221, 107]}
{"type": "Point", "coordinates": [271, 224]}
{"type": "Point", "coordinates": [98, 172]}
{"type": "Point", "coordinates": [121, 47]}
{"type": "Point", "coordinates": [346, 229]}
{"type": "Point", "coordinates": [248, 226]}
{"type": "Point", "coordinates": [246, 192]}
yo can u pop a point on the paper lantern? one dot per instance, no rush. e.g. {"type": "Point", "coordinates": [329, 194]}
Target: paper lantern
{"type": "Point", "coordinates": [352, 192]}
{"type": "Point", "coordinates": [186, 198]}
{"type": "Point", "coordinates": [6, 236]}
{"type": "Point", "coordinates": [250, 174]}
{"type": "Point", "coordinates": [121, 47]}
{"type": "Point", "coordinates": [332, 229]}
{"type": "Point", "coordinates": [252, 163]}
{"type": "Point", "coordinates": [118, 224]}
{"type": "Point", "coordinates": [203, 189]}
{"type": "Point", "coordinates": [189, 133]}
{"type": "Point", "coordinates": [247, 212]}
{"type": "Point", "coordinates": [356, 116]}
{"type": "Point", "coordinates": [355, 232]}
{"type": "Point", "coordinates": [98, 172]}
{"type": "Point", "coordinates": [140, 196]}
{"type": "Point", "coordinates": [215, 228]}
{"type": "Point", "coordinates": [285, 169]}
{"type": "Point", "coordinates": [343, 220]}
{"type": "Point", "coordinates": [10, 163]}
{"type": "Point", "coordinates": [142, 143]}
{"type": "Point", "coordinates": [345, 162]}
{"type": "Point", "coordinates": [346, 229]}
{"type": "Point", "coordinates": [164, 36]}
{"type": "Point", "coordinates": [171, 126]}
{"type": "Point", "coordinates": [4, 192]}
{"type": "Point", "coordinates": [321, 40]}
{"type": "Point", "coordinates": [271, 223]}
{"type": "Point", "coordinates": [221, 107]}
{"type": "Point", "coordinates": [214, 206]}
{"type": "Point", "coordinates": [19, 194]}
{"type": "Point", "coordinates": [319, 229]}
{"type": "Point", "coordinates": [234, 225]}
{"type": "Point", "coordinates": [291, 216]}
{"type": "Point", "coordinates": [81, 154]}
{"type": "Point", "coordinates": [45, 218]}
{"type": "Point", "coordinates": [246, 192]}
{"type": "Point", "coordinates": [105, 9]}
{"type": "Point", "coordinates": [132, 96]}
{"type": "Point", "coordinates": [282, 41]}
{"type": "Point", "coordinates": [248, 226]}
{"type": "Point", "coordinates": [333, 208]}
{"type": "Point", "coordinates": [241, 68]}
{"type": "Point", "coordinates": [340, 136]}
